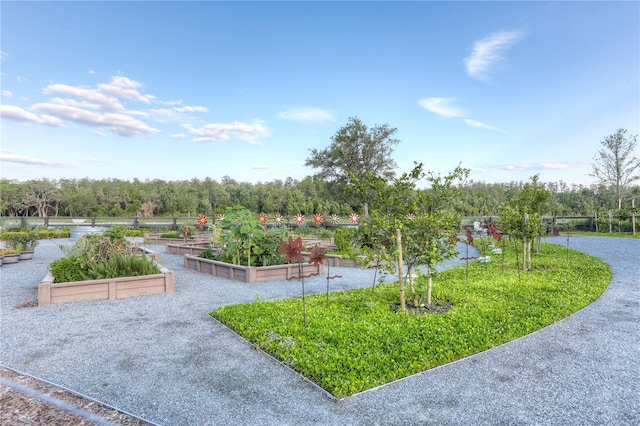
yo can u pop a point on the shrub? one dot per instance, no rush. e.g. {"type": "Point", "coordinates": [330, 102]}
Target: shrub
{"type": "Point", "coordinates": [207, 254]}
{"type": "Point", "coordinates": [346, 241]}
{"type": "Point", "coordinates": [108, 255]}
{"type": "Point", "coordinates": [68, 269]}
{"type": "Point", "coordinates": [172, 234]}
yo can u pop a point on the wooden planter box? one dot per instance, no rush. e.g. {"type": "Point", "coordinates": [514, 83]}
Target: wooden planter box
{"type": "Point", "coordinates": [156, 240]}
{"type": "Point", "coordinates": [335, 261]}
{"type": "Point", "coordinates": [113, 288]}
{"type": "Point", "coordinates": [192, 249]}
{"type": "Point", "coordinates": [248, 274]}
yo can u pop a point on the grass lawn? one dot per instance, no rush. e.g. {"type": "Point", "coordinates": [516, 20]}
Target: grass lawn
{"type": "Point", "coordinates": [357, 341]}
{"type": "Point", "coordinates": [604, 234]}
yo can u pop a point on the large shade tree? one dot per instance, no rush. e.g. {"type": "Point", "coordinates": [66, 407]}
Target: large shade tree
{"type": "Point", "coordinates": [615, 166]}
{"type": "Point", "coordinates": [355, 151]}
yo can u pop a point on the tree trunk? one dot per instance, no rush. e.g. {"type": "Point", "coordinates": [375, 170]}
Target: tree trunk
{"type": "Point", "coordinates": [403, 306]}
{"type": "Point", "coordinates": [430, 282]}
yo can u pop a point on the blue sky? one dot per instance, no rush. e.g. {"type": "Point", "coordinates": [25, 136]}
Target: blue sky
{"type": "Point", "coordinates": [182, 90]}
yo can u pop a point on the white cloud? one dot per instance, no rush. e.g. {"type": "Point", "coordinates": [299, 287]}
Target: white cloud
{"type": "Point", "coordinates": [122, 124]}
{"type": "Point", "coordinates": [102, 101]}
{"type": "Point", "coordinates": [32, 161]}
{"type": "Point", "coordinates": [19, 114]}
{"type": "Point", "coordinates": [125, 88]}
{"type": "Point", "coordinates": [307, 114]}
{"type": "Point", "coordinates": [92, 72]}
{"type": "Point", "coordinates": [530, 166]}
{"type": "Point", "coordinates": [215, 132]}
{"type": "Point", "coordinates": [261, 167]}
{"type": "Point", "coordinates": [178, 136]}
{"type": "Point", "coordinates": [3, 55]}
{"type": "Point", "coordinates": [474, 123]}
{"type": "Point", "coordinates": [192, 109]}
{"type": "Point", "coordinates": [489, 52]}
{"type": "Point", "coordinates": [441, 106]}
{"type": "Point", "coordinates": [7, 93]}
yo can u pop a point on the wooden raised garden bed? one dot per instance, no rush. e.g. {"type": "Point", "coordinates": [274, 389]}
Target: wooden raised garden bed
{"type": "Point", "coordinates": [248, 274]}
{"type": "Point", "coordinates": [194, 249]}
{"type": "Point", "coordinates": [335, 261]}
{"type": "Point", "coordinates": [155, 239]}
{"type": "Point", "coordinates": [112, 288]}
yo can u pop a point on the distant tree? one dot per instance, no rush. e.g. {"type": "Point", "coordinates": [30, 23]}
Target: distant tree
{"type": "Point", "coordinates": [614, 165]}
{"type": "Point", "coordinates": [356, 150]}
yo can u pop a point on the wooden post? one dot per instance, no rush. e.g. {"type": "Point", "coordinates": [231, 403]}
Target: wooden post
{"type": "Point", "coordinates": [403, 306]}
{"type": "Point", "coordinates": [633, 216]}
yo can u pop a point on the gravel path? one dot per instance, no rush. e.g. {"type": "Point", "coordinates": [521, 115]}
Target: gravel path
{"type": "Point", "coordinates": [163, 358]}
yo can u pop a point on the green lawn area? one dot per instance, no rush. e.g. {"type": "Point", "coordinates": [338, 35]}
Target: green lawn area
{"type": "Point", "coordinates": [605, 234]}
{"type": "Point", "coordinates": [357, 341]}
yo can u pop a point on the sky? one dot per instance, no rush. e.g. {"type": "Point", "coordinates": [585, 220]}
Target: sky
{"type": "Point", "coordinates": [184, 90]}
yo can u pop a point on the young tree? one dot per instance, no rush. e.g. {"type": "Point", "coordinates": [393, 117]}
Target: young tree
{"type": "Point", "coordinates": [614, 165]}
{"type": "Point", "coordinates": [425, 219]}
{"type": "Point", "coordinates": [521, 217]}
{"type": "Point", "coordinates": [356, 150]}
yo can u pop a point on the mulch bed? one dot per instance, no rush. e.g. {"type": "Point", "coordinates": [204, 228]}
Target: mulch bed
{"type": "Point", "coordinates": [18, 408]}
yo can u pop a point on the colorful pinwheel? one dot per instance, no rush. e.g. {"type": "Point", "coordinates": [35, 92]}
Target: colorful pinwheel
{"type": "Point", "coordinates": [292, 250]}
{"type": "Point", "coordinates": [202, 220]}
{"type": "Point", "coordinates": [299, 219]}
{"type": "Point", "coordinates": [354, 217]}
{"type": "Point", "coordinates": [318, 219]}
{"type": "Point", "coordinates": [317, 256]}
{"type": "Point", "coordinates": [262, 218]}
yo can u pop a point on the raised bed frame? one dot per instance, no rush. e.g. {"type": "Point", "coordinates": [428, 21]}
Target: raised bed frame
{"type": "Point", "coordinates": [110, 288]}
{"type": "Point", "coordinates": [248, 274]}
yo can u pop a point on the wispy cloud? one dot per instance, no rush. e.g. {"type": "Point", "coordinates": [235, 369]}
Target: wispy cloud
{"type": "Point", "coordinates": [261, 167]}
{"type": "Point", "coordinates": [125, 88]}
{"type": "Point", "coordinates": [519, 167]}
{"type": "Point", "coordinates": [307, 114]}
{"type": "Point", "coordinates": [7, 93]}
{"type": "Point", "coordinates": [178, 136]}
{"type": "Point", "coordinates": [489, 52]}
{"type": "Point", "coordinates": [441, 106]}
{"type": "Point", "coordinates": [31, 161]}
{"type": "Point", "coordinates": [444, 108]}
{"type": "Point", "coordinates": [216, 132]}
{"type": "Point", "coordinates": [92, 98]}
{"type": "Point", "coordinates": [121, 124]}
{"type": "Point", "coordinates": [481, 125]}
{"type": "Point", "coordinates": [19, 114]}
{"type": "Point", "coordinates": [192, 109]}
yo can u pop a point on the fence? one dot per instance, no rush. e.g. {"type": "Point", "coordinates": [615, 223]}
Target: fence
{"type": "Point", "coordinates": [606, 223]}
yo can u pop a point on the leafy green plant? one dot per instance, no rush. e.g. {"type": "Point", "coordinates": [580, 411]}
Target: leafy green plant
{"type": "Point", "coordinates": [358, 342]}
{"type": "Point", "coordinates": [69, 269]}
{"type": "Point", "coordinates": [346, 241]}
{"type": "Point", "coordinates": [8, 251]}
{"type": "Point", "coordinates": [172, 234]}
{"type": "Point", "coordinates": [95, 256]}
{"type": "Point", "coordinates": [120, 266]}
{"type": "Point", "coordinates": [25, 239]}
{"type": "Point", "coordinates": [245, 241]}
{"type": "Point", "coordinates": [207, 254]}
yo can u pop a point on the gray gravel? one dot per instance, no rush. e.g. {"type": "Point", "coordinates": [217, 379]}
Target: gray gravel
{"type": "Point", "coordinates": [162, 357]}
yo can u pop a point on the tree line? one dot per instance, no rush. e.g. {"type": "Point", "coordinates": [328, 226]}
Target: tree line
{"type": "Point", "coordinates": [114, 197]}
{"type": "Point", "coordinates": [357, 153]}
